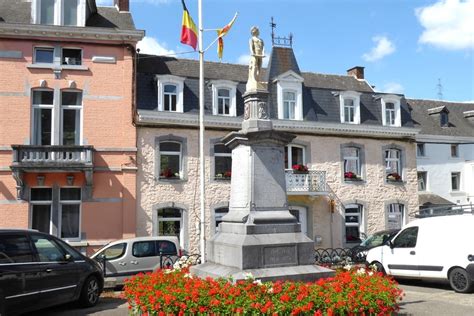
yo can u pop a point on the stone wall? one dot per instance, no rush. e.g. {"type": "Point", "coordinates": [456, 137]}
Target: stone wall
{"type": "Point", "coordinates": [324, 152]}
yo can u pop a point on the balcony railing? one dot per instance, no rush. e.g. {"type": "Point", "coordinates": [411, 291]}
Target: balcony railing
{"type": "Point", "coordinates": [33, 156]}
{"type": "Point", "coordinates": [311, 182]}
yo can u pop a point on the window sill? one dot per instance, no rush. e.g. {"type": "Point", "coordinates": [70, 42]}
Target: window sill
{"type": "Point", "coordinates": [397, 182]}
{"type": "Point", "coordinates": [222, 178]}
{"type": "Point", "coordinates": [57, 67]}
{"type": "Point", "coordinates": [171, 180]}
{"type": "Point", "coordinates": [356, 180]}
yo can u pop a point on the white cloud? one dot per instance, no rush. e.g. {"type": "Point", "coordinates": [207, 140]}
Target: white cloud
{"type": "Point", "coordinates": [393, 87]}
{"type": "Point", "coordinates": [448, 24]}
{"type": "Point", "coordinates": [245, 59]}
{"type": "Point", "coordinates": [382, 48]}
{"type": "Point", "coordinates": [150, 45]}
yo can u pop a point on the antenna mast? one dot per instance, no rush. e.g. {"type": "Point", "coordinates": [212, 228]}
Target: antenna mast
{"type": "Point", "coordinates": [439, 87]}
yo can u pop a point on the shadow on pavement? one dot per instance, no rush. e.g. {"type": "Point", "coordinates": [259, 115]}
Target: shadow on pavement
{"type": "Point", "coordinates": [106, 306]}
{"type": "Point", "coordinates": [425, 283]}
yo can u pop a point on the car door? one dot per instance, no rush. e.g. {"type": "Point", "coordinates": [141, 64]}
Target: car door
{"type": "Point", "coordinates": [401, 257]}
{"type": "Point", "coordinates": [60, 276]}
{"type": "Point", "coordinates": [20, 275]}
{"type": "Point", "coordinates": [145, 257]}
{"type": "Point", "coordinates": [115, 264]}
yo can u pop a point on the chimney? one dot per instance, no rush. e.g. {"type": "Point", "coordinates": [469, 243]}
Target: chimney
{"type": "Point", "coordinates": [356, 71]}
{"type": "Point", "coordinates": [122, 5]}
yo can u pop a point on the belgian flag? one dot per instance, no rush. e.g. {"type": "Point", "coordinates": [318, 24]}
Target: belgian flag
{"type": "Point", "coordinates": [188, 29]}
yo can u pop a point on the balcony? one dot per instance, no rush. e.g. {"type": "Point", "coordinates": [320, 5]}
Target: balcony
{"type": "Point", "coordinates": [312, 182]}
{"type": "Point", "coordinates": [44, 159]}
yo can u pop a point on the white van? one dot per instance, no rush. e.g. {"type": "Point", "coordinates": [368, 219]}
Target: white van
{"type": "Point", "coordinates": [431, 248]}
{"type": "Point", "coordinates": [127, 257]}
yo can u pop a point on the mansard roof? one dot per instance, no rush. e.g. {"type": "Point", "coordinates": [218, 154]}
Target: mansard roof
{"type": "Point", "coordinates": [19, 12]}
{"type": "Point", "coordinates": [459, 123]}
{"type": "Point", "coordinates": [320, 97]}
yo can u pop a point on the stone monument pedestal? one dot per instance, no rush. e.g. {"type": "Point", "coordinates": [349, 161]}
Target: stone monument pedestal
{"type": "Point", "coordinates": [259, 235]}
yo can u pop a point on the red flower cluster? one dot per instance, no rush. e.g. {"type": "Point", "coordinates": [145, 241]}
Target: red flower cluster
{"type": "Point", "coordinates": [167, 173]}
{"type": "Point", "coordinates": [227, 174]}
{"type": "Point", "coordinates": [177, 293]}
{"type": "Point", "coordinates": [299, 167]}
{"type": "Point", "coordinates": [350, 175]}
{"type": "Point", "coordinates": [394, 176]}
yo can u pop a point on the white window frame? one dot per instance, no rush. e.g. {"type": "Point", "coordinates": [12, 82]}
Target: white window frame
{"type": "Point", "coordinates": [289, 159]}
{"type": "Point", "coordinates": [389, 159]}
{"type": "Point", "coordinates": [391, 210]}
{"type": "Point", "coordinates": [290, 81]}
{"type": "Point", "coordinates": [292, 105]}
{"type": "Point", "coordinates": [71, 107]}
{"type": "Point", "coordinates": [59, 12]}
{"type": "Point", "coordinates": [355, 97]}
{"type": "Point", "coordinates": [179, 154]}
{"type": "Point", "coordinates": [360, 223]}
{"type": "Point", "coordinates": [60, 213]}
{"type": "Point", "coordinates": [43, 47]}
{"type": "Point", "coordinates": [49, 202]}
{"type": "Point", "coordinates": [395, 99]}
{"type": "Point", "coordinates": [171, 219]}
{"type": "Point", "coordinates": [162, 81]}
{"type": "Point", "coordinates": [43, 106]}
{"type": "Point", "coordinates": [458, 177]}
{"type": "Point", "coordinates": [424, 180]}
{"type": "Point", "coordinates": [224, 84]}
{"type": "Point", "coordinates": [220, 155]}
{"type": "Point", "coordinates": [357, 159]}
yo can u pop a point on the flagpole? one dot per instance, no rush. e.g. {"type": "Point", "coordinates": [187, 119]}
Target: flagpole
{"type": "Point", "coordinates": [201, 136]}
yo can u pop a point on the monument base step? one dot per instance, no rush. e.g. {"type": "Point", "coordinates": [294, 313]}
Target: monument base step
{"type": "Point", "coordinates": [304, 273]}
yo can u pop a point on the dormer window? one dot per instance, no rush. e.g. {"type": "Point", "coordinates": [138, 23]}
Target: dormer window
{"type": "Point", "coordinates": [444, 119]}
{"type": "Point", "coordinates": [170, 93]}
{"type": "Point", "coordinates": [350, 107]}
{"type": "Point", "coordinates": [59, 12]}
{"type": "Point", "coordinates": [224, 97]}
{"type": "Point", "coordinates": [391, 110]}
{"type": "Point", "coordinates": [290, 96]}
{"type": "Point", "coordinates": [289, 105]}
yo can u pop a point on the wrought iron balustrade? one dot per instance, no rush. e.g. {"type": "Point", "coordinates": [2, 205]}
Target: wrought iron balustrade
{"type": "Point", "coordinates": [51, 156]}
{"type": "Point", "coordinates": [313, 181]}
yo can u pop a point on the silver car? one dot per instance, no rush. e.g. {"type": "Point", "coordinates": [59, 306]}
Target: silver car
{"type": "Point", "coordinates": [127, 257]}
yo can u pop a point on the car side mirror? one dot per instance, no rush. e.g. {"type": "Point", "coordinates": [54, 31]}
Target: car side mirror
{"type": "Point", "coordinates": [68, 257]}
{"type": "Point", "coordinates": [390, 244]}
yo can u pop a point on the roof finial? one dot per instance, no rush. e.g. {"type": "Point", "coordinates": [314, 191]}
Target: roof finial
{"type": "Point", "coordinates": [439, 86]}
{"type": "Point", "coordinates": [273, 26]}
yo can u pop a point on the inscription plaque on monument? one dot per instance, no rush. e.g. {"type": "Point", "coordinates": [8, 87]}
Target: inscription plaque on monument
{"type": "Point", "coordinates": [278, 256]}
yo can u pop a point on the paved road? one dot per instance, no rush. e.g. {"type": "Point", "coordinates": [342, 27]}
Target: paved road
{"type": "Point", "coordinates": [428, 298]}
{"type": "Point", "coordinates": [422, 298]}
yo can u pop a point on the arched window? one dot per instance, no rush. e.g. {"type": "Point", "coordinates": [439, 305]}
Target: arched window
{"type": "Point", "coordinates": [170, 160]}
{"type": "Point", "coordinates": [354, 223]}
{"type": "Point", "coordinates": [170, 223]}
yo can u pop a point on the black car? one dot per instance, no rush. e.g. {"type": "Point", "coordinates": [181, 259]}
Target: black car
{"type": "Point", "coordinates": [38, 270]}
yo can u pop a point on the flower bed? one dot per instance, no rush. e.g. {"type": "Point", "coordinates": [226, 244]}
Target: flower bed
{"type": "Point", "coordinates": [176, 292]}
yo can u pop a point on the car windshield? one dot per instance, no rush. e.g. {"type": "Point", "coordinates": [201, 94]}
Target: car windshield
{"type": "Point", "coordinates": [377, 239]}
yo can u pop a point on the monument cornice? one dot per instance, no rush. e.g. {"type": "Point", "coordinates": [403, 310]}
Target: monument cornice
{"type": "Point", "coordinates": [155, 118]}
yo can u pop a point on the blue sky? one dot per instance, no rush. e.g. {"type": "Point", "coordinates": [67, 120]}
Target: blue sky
{"type": "Point", "coordinates": [404, 45]}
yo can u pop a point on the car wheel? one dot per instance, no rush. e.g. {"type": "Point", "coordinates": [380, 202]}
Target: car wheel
{"type": "Point", "coordinates": [460, 281]}
{"type": "Point", "coordinates": [90, 292]}
{"type": "Point", "coordinates": [379, 267]}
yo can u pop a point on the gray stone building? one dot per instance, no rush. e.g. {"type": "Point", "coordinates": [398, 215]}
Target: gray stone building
{"type": "Point", "coordinates": [357, 144]}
